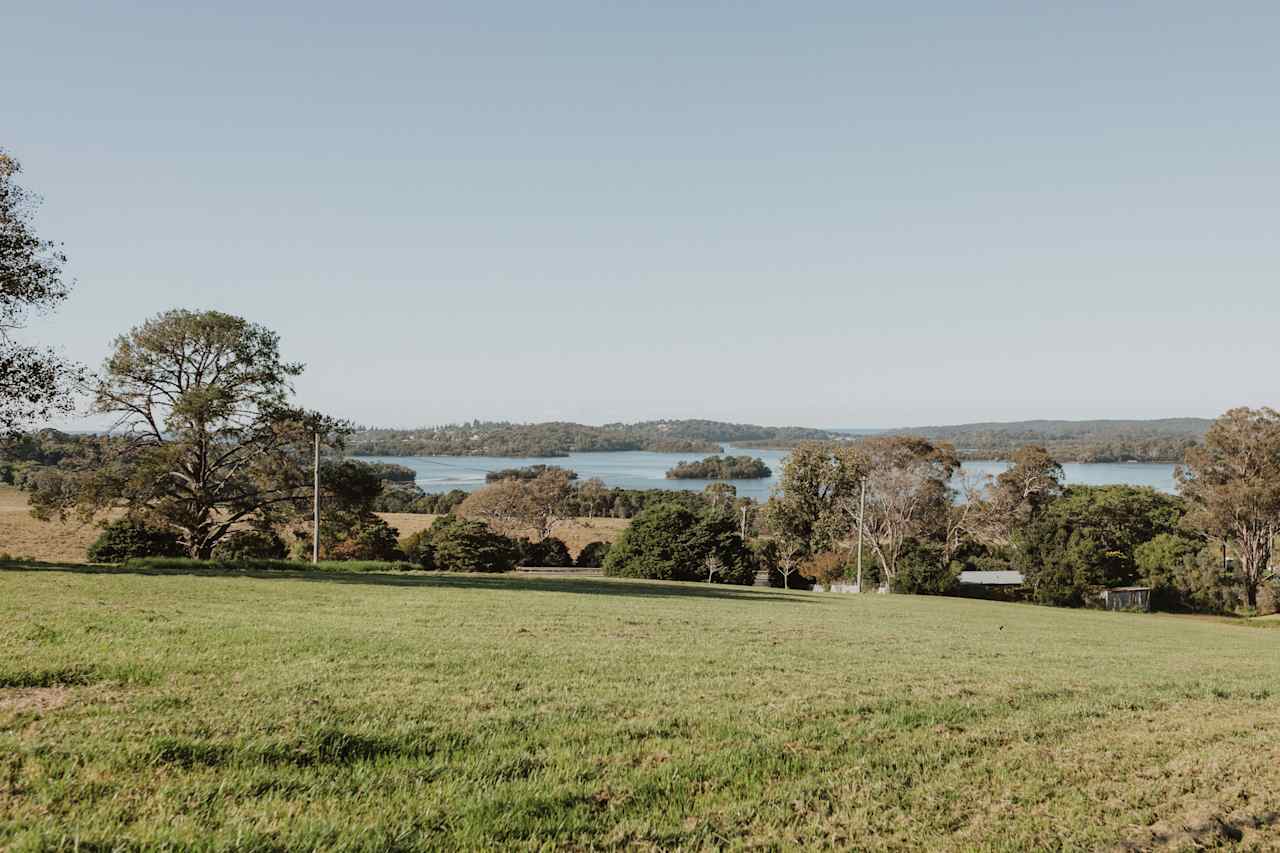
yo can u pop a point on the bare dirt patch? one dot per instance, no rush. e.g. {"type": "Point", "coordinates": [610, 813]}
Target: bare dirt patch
{"type": "Point", "coordinates": [19, 700]}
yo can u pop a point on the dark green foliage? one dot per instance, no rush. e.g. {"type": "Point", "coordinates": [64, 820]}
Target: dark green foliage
{"type": "Point", "coordinates": [529, 472]}
{"type": "Point", "coordinates": [410, 498]}
{"type": "Point", "coordinates": [1186, 574]}
{"type": "Point", "coordinates": [593, 555]}
{"type": "Point", "coordinates": [721, 468]}
{"type": "Point", "coordinates": [399, 498]}
{"type": "Point", "coordinates": [35, 384]}
{"type": "Point", "coordinates": [368, 538]}
{"type": "Point", "coordinates": [765, 554]}
{"type": "Point", "coordinates": [251, 545]}
{"type": "Point", "coordinates": [1085, 540]}
{"type": "Point", "coordinates": [668, 542]}
{"type": "Point", "coordinates": [392, 472]}
{"type": "Point", "coordinates": [922, 570]}
{"type": "Point", "coordinates": [128, 538]}
{"type": "Point", "coordinates": [549, 553]}
{"type": "Point", "coordinates": [557, 439]}
{"type": "Point", "coordinates": [454, 544]}
{"type": "Point", "coordinates": [628, 503]}
{"type": "Point", "coordinates": [418, 549]}
{"type": "Point", "coordinates": [180, 564]}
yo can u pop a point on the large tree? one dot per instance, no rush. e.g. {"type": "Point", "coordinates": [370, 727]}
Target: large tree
{"type": "Point", "coordinates": [514, 505]}
{"type": "Point", "coordinates": [993, 510]}
{"type": "Point", "coordinates": [35, 383]}
{"type": "Point", "coordinates": [1232, 482]}
{"type": "Point", "coordinates": [908, 496]}
{"type": "Point", "coordinates": [209, 441]}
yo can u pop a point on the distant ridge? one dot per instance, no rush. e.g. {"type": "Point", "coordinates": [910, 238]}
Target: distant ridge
{"type": "Point", "coordinates": [1166, 426]}
{"type": "Point", "coordinates": [1155, 440]}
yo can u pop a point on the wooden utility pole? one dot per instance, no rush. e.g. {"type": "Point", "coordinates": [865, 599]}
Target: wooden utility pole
{"type": "Point", "coordinates": [315, 526]}
{"type": "Point", "coordinates": [862, 511]}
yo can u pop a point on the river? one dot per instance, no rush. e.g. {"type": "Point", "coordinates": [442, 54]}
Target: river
{"type": "Point", "coordinates": [643, 470]}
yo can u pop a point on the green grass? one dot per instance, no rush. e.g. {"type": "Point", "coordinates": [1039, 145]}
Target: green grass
{"type": "Point", "coordinates": [153, 709]}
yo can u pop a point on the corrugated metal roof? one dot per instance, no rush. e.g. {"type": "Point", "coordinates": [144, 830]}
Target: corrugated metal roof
{"type": "Point", "coordinates": [993, 578]}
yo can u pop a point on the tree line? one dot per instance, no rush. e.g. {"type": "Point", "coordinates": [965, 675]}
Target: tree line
{"type": "Point", "coordinates": [559, 439]}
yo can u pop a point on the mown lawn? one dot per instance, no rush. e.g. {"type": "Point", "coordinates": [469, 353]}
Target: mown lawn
{"type": "Point", "coordinates": [415, 711]}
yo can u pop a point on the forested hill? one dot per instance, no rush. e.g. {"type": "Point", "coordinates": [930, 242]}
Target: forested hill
{"type": "Point", "coordinates": [1163, 440]}
{"type": "Point", "coordinates": [489, 438]}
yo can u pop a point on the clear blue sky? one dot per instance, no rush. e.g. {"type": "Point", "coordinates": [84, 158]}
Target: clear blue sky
{"type": "Point", "coordinates": [825, 213]}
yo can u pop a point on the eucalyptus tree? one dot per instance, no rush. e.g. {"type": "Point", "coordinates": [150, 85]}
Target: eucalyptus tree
{"type": "Point", "coordinates": [208, 439]}
{"type": "Point", "coordinates": [1232, 482]}
{"type": "Point", "coordinates": [907, 495]}
{"type": "Point", "coordinates": [35, 383]}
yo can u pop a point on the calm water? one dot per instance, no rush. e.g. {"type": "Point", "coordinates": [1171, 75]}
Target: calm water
{"type": "Point", "coordinates": [641, 470]}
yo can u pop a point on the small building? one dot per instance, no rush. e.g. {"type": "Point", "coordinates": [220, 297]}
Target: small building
{"type": "Point", "coordinates": [1127, 598]}
{"type": "Point", "coordinates": [992, 579]}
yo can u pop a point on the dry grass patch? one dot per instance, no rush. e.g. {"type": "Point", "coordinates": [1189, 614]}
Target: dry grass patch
{"type": "Point", "coordinates": [23, 536]}
{"type": "Point", "coordinates": [24, 699]}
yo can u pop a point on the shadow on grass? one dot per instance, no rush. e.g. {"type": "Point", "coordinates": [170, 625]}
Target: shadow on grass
{"type": "Point", "coordinates": [624, 587]}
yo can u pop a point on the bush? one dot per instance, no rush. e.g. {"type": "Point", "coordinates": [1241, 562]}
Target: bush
{"type": "Point", "coordinates": [548, 554]}
{"type": "Point", "coordinates": [921, 570]}
{"type": "Point", "coordinates": [668, 542]}
{"type": "Point", "coordinates": [1184, 574]}
{"type": "Point", "coordinates": [370, 538]}
{"type": "Point", "coordinates": [251, 545]}
{"type": "Point", "coordinates": [1086, 540]}
{"type": "Point", "coordinates": [593, 555]}
{"type": "Point", "coordinates": [462, 545]}
{"type": "Point", "coordinates": [127, 539]}
{"type": "Point", "coordinates": [418, 549]}
{"type": "Point", "coordinates": [825, 567]}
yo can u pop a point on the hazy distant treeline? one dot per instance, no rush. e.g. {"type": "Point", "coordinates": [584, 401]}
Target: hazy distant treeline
{"type": "Point", "coordinates": [557, 439]}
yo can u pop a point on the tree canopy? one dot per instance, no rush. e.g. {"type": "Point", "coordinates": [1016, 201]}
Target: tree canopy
{"type": "Point", "coordinates": [1232, 482]}
{"type": "Point", "coordinates": [35, 383]}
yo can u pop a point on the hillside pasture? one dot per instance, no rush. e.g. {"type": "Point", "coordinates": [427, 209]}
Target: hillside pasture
{"type": "Point", "coordinates": [416, 711]}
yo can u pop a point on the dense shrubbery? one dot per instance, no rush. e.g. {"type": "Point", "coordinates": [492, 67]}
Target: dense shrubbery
{"type": "Point", "coordinates": [1085, 540]}
{"type": "Point", "coordinates": [252, 565]}
{"type": "Point", "coordinates": [924, 570]}
{"type": "Point", "coordinates": [593, 555]}
{"type": "Point", "coordinates": [454, 544]}
{"type": "Point", "coordinates": [251, 545]}
{"type": "Point", "coordinates": [1186, 574]}
{"type": "Point", "coordinates": [368, 538]}
{"type": "Point", "coordinates": [549, 553]}
{"type": "Point", "coordinates": [668, 542]}
{"type": "Point", "coordinates": [721, 468]}
{"type": "Point", "coordinates": [410, 498]}
{"type": "Point", "coordinates": [128, 538]}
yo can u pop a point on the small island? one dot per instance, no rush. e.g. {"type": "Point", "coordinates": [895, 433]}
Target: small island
{"type": "Point", "coordinates": [721, 468]}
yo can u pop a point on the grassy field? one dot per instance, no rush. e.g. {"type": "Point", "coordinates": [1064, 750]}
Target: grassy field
{"type": "Point", "coordinates": [369, 712]}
